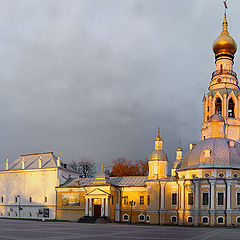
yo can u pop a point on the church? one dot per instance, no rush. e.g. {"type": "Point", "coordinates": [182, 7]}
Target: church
{"type": "Point", "coordinates": [204, 185]}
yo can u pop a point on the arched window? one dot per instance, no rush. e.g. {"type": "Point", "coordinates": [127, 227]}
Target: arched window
{"type": "Point", "coordinates": [125, 217]}
{"type": "Point", "coordinates": [220, 220]}
{"type": "Point", "coordinates": [221, 68]}
{"type": "Point", "coordinates": [231, 108]}
{"type": "Point", "coordinates": [190, 219]}
{"type": "Point", "coordinates": [218, 106]}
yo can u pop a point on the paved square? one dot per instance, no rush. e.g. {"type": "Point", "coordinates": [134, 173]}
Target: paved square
{"type": "Point", "coordinates": [14, 229]}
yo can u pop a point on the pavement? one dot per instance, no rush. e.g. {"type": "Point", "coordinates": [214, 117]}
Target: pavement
{"type": "Point", "coordinates": [20, 229]}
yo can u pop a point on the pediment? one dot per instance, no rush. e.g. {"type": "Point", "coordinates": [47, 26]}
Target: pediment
{"type": "Point", "coordinates": [96, 191]}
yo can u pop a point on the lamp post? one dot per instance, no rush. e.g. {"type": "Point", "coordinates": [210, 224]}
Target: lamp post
{"type": "Point", "coordinates": [131, 203]}
{"type": "Point", "coordinates": [19, 208]}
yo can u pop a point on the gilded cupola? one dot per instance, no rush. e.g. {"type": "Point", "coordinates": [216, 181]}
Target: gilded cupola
{"type": "Point", "coordinates": [224, 45]}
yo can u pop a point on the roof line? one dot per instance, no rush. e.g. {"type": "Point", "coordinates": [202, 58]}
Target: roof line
{"type": "Point", "coordinates": [30, 154]}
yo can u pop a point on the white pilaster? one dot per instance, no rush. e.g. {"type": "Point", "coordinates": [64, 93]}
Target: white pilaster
{"type": "Point", "coordinates": [228, 196]}
{"type": "Point", "coordinates": [90, 208]}
{"type": "Point", "coordinates": [86, 207]}
{"type": "Point", "coordinates": [163, 196]}
{"type": "Point", "coordinates": [196, 207]}
{"type": "Point", "coordinates": [106, 208]}
{"type": "Point", "coordinates": [212, 206]}
{"type": "Point", "coordinates": [102, 207]}
{"type": "Point", "coordinates": [182, 196]}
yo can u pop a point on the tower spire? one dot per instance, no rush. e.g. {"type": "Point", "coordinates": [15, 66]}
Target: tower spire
{"type": "Point", "coordinates": [225, 23]}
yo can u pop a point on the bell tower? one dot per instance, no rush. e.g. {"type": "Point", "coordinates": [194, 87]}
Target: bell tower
{"type": "Point", "coordinates": [223, 95]}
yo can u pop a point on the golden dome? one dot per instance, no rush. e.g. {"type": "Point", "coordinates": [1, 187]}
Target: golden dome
{"type": "Point", "coordinates": [224, 44]}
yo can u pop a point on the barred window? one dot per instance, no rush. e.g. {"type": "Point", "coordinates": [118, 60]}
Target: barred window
{"type": "Point", "coordinates": [174, 199]}
{"type": "Point", "coordinates": [141, 200]}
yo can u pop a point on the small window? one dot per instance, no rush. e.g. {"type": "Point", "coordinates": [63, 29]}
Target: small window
{"type": "Point", "coordinates": [205, 219]}
{"type": "Point", "coordinates": [221, 175]}
{"type": "Point", "coordinates": [16, 214]}
{"type": "Point", "coordinates": [148, 200]}
{"type": "Point", "coordinates": [205, 199]}
{"type": "Point", "coordinates": [30, 199]}
{"type": "Point", "coordinates": [206, 175]}
{"type": "Point", "coordinates": [238, 198]}
{"type": "Point", "coordinates": [1, 199]}
{"type": "Point", "coordinates": [207, 153]}
{"type": "Point", "coordinates": [141, 218]}
{"type": "Point", "coordinates": [125, 201]}
{"type": "Point", "coordinates": [238, 220]}
{"type": "Point", "coordinates": [148, 218]}
{"type": "Point", "coordinates": [190, 219]}
{"type": "Point", "coordinates": [15, 199]}
{"type": "Point", "coordinates": [220, 220]}
{"type": "Point", "coordinates": [9, 214]}
{"type": "Point", "coordinates": [174, 199]}
{"type": "Point", "coordinates": [190, 198]}
{"type": "Point", "coordinates": [30, 214]}
{"type": "Point", "coordinates": [220, 198]}
{"type": "Point", "coordinates": [45, 199]}
{"type": "Point", "coordinates": [235, 175]}
{"type": "Point", "coordinates": [125, 217]}
{"type": "Point", "coordinates": [141, 200]}
{"type": "Point", "coordinates": [174, 219]}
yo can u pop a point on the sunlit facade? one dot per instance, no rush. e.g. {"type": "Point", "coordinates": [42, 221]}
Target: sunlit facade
{"type": "Point", "coordinates": [204, 186]}
{"type": "Point", "coordinates": [27, 185]}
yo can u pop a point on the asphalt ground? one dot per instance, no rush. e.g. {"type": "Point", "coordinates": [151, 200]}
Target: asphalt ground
{"type": "Point", "coordinates": [20, 229]}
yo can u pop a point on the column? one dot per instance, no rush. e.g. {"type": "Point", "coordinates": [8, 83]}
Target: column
{"type": "Point", "coordinates": [163, 196]}
{"type": "Point", "coordinates": [211, 109]}
{"type": "Point", "coordinates": [229, 214]}
{"type": "Point", "coordinates": [90, 208]}
{"type": "Point", "coordinates": [228, 196]}
{"type": "Point", "coordinates": [196, 203]}
{"type": "Point", "coordinates": [225, 106]}
{"type": "Point", "coordinates": [106, 208]}
{"type": "Point", "coordinates": [182, 203]}
{"type": "Point", "coordinates": [86, 207]}
{"type": "Point", "coordinates": [212, 205]}
{"type": "Point", "coordinates": [102, 208]}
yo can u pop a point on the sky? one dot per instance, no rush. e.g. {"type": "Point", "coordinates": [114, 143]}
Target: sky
{"type": "Point", "coordinates": [95, 78]}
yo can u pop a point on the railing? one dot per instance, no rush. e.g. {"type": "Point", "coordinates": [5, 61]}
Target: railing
{"type": "Point", "coordinates": [224, 71]}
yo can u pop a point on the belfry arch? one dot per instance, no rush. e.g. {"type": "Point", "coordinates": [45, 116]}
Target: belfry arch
{"type": "Point", "coordinates": [231, 106]}
{"type": "Point", "coordinates": [218, 106]}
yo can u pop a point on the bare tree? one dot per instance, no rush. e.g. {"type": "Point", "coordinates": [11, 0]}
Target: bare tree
{"type": "Point", "coordinates": [85, 167]}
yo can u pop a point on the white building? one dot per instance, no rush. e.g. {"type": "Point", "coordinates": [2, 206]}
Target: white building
{"type": "Point", "coordinates": [27, 185]}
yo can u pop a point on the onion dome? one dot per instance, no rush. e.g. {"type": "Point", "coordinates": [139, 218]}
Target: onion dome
{"type": "Point", "coordinates": [213, 153]}
{"type": "Point", "coordinates": [224, 45]}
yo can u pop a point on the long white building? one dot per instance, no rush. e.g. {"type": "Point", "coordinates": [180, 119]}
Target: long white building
{"type": "Point", "coordinates": [27, 185]}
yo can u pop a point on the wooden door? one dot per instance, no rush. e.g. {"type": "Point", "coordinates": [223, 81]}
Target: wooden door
{"type": "Point", "coordinates": [97, 210]}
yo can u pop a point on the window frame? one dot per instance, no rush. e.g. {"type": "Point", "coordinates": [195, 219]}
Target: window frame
{"type": "Point", "coordinates": [220, 198]}
{"type": "Point", "coordinates": [203, 199]}
{"type": "Point", "coordinates": [190, 200]}
{"type": "Point", "coordinates": [190, 217]}
{"type": "Point", "coordinates": [141, 200]}
{"type": "Point", "coordinates": [125, 220]}
{"type": "Point", "coordinates": [141, 215]}
{"type": "Point", "coordinates": [174, 199]}
{"type": "Point", "coordinates": [205, 217]}
{"type": "Point", "coordinates": [174, 216]}
{"type": "Point", "coordinates": [220, 217]}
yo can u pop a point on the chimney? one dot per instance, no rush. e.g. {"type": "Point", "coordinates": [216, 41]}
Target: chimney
{"type": "Point", "coordinates": [59, 160]}
{"type": "Point", "coordinates": [23, 163]}
{"type": "Point", "coordinates": [7, 164]}
{"type": "Point", "coordinates": [40, 161]}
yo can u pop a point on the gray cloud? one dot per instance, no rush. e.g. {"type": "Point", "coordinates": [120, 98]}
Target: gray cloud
{"type": "Point", "coordinates": [96, 78]}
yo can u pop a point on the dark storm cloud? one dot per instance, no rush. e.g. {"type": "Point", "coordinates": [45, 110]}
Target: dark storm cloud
{"type": "Point", "coordinates": [96, 78]}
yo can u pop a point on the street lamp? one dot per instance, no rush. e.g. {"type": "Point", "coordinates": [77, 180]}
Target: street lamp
{"type": "Point", "coordinates": [19, 208]}
{"type": "Point", "coordinates": [131, 203]}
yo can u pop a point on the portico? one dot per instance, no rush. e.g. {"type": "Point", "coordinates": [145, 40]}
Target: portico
{"type": "Point", "coordinates": [97, 203]}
